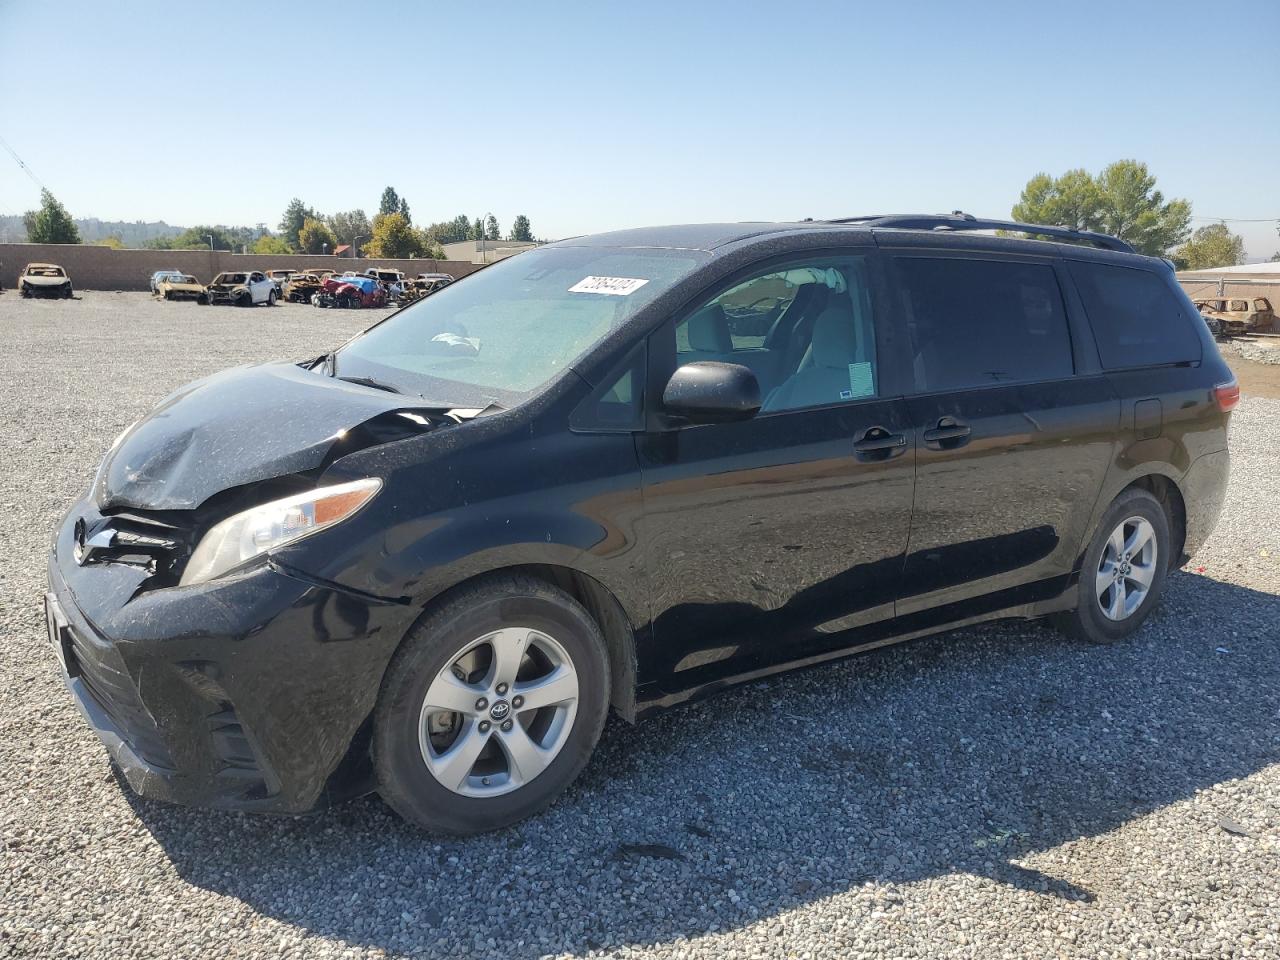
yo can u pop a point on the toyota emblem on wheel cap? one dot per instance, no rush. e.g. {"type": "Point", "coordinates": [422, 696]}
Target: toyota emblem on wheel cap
{"type": "Point", "coordinates": [499, 710]}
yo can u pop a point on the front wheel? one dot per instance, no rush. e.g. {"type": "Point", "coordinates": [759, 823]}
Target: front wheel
{"type": "Point", "coordinates": [1124, 570]}
{"type": "Point", "coordinates": [491, 707]}
{"type": "Point", "coordinates": [271, 299]}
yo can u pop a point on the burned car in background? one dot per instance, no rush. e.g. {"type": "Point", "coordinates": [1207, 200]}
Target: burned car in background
{"type": "Point", "coordinates": [44, 280]}
{"type": "Point", "coordinates": [154, 282]}
{"type": "Point", "coordinates": [350, 292]}
{"type": "Point", "coordinates": [180, 286]}
{"type": "Point", "coordinates": [300, 287]}
{"type": "Point", "coordinates": [1236, 315]}
{"type": "Point", "coordinates": [244, 289]}
{"type": "Point", "coordinates": [279, 278]}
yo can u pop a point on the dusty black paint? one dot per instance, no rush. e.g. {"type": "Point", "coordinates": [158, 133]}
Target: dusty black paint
{"type": "Point", "coordinates": [733, 550]}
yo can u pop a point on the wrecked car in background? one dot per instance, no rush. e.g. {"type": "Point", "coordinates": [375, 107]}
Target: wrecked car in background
{"type": "Point", "coordinates": [154, 282]}
{"type": "Point", "coordinates": [300, 287]}
{"type": "Point", "coordinates": [1237, 315]}
{"type": "Point", "coordinates": [180, 286]}
{"type": "Point", "coordinates": [242, 289]}
{"type": "Point", "coordinates": [44, 280]}
{"type": "Point", "coordinates": [350, 292]}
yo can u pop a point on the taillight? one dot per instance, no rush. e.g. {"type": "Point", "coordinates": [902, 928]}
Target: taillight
{"type": "Point", "coordinates": [1227, 396]}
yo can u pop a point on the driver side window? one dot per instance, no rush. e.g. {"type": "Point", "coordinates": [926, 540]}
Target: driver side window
{"type": "Point", "coordinates": [805, 330]}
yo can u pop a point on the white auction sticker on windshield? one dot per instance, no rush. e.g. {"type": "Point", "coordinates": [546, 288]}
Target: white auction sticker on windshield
{"type": "Point", "coordinates": [613, 286]}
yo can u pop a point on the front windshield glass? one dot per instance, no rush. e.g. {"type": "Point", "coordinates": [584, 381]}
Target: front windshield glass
{"type": "Point", "coordinates": [230, 278]}
{"type": "Point", "coordinates": [183, 279]}
{"type": "Point", "coordinates": [514, 325]}
{"type": "Point", "coordinates": [45, 272]}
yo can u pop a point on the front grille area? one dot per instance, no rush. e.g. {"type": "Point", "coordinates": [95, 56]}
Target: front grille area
{"type": "Point", "coordinates": [103, 674]}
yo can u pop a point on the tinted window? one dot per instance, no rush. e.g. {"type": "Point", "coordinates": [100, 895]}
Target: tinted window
{"type": "Point", "coordinates": [804, 330]}
{"type": "Point", "coordinates": [617, 405]}
{"type": "Point", "coordinates": [1136, 319]}
{"type": "Point", "coordinates": [981, 322]}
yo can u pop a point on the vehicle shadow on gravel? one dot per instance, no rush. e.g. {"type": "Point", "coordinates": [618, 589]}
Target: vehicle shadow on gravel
{"type": "Point", "coordinates": [957, 754]}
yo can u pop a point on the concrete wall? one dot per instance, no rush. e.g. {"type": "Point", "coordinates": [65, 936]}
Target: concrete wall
{"type": "Point", "coordinates": [101, 268]}
{"type": "Point", "coordinates": [1200, 289]}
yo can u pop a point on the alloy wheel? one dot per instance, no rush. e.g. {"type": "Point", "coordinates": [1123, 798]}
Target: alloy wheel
{"type": "Point", "coordinates": [1126, 569]}
{"type": "Point", "coordinates": [499, 713]}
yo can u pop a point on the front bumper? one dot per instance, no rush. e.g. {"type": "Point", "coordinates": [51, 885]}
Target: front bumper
{"type": "Point", "coordinates": [251, 693]}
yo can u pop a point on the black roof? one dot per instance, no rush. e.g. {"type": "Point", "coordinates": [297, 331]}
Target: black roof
{"type": "Point", "coordinates": [710, 236]}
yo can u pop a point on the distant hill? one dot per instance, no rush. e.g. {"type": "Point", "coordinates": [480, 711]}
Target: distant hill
{"type": "Point", "coordinates": [134, 233]}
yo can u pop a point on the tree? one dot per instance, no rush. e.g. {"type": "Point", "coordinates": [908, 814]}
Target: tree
{"type": "Point", "coordinates": [491, 229]}
{"type": "Point", "coordinates": [113, 241]}
{"type": "Point", "coordinates": [390, 202]}
{"type": "Point", "coordinates": [271, 245]}
{"type": "Point", "coordinates": [197, 238]}
{"type": "Point", "coordinates": [1121, 200]}
{"type": "Point", "coordinates": [404, 210]}
{"type": "Point", "coordinates": [347, 226]}
{"type": "Point", "coordinates": [316, 237]}
{"type": "Point", "coordinates": [51, 223]}
{"type": "Point", "coordinates": [476, 230]}
{"type": "Point", "coordinates": [450, 231]}
{"type": "Point", "coordinates": [1211, 246]}
{"type": "Point", "coordinates": [295, 215]}
{"type": "Point", "coordinates": [520, 229]}
{"type": "Point", "coordinates": [393, 237]}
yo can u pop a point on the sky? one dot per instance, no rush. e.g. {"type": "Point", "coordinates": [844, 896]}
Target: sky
{"type": "Point", "coordinates": [595, 116]}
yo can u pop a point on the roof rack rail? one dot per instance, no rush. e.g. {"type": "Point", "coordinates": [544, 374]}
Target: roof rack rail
{"type": "Point", "coordinates": [959, 220]}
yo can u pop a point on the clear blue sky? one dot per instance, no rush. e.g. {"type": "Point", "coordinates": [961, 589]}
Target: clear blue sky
{"type": "Point", "coordinates": [592, 116]}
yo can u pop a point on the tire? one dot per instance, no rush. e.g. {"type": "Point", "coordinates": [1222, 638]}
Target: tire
{"type": "Point", "coordinates": [245, 300]}
{"type": "Point", "coordinates": [271, 299]}
{"type": "Point", "coordinates": [1089, 620]}
{"type": "Point", "coordinates": [489, 793]}
{"type": "Point", "coordinates": [168, 294]}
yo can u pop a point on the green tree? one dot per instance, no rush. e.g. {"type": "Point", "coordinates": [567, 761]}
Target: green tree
{"type": "Point", "coordinates": [349, 225]}
{"type": "Point", "coordinates": [1211, 246]}
{"type": "Point", "coordinates": [196, 238]}
{"type": "Point", "coordinates": [491, 228]}
{"type": "Point", "coordinates": [1121, 200]}
{"type": "Point", "coordinates": [390, 202]}
{"type": "Point", "coordinates": [520, 229]}
{"type": "Point", "coordinates": [393, 237]}
{"type": "Point", "coordinates": [51, 223]}
{"type": "Point", "coordinates": [295, 215]}
{"type": "Point", "coordinates": [450, 231]}
{"type": "Point", "coordinates": [112, 240]}
{"type": "Point", "coordinates": [271, 245]}
{"type": "Point", "coordinates": [404, 210]}
{"type": "Point", "coordinates": [476, 230]}
{"type": "Point", "coordinates": [316, 237]}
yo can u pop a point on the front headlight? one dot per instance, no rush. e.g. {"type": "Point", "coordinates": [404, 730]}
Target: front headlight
{"type": "Point", "coordinates": [259, 529]}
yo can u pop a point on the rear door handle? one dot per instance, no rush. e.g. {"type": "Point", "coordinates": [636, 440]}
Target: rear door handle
{"type": "Point", "coordinates": [877, 443]}
{"type": "Point", "coordinates": [947, 434]}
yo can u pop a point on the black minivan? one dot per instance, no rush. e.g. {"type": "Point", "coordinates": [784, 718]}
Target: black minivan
{"type": "Point", "coordinates": [624, 471]}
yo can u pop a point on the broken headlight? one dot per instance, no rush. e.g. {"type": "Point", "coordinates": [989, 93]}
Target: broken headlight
{"type": "Point", "coordinates": [254, 532]}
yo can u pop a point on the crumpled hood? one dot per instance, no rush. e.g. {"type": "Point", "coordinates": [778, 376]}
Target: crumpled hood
{"type": "Point", "coordinates": [235, 427]}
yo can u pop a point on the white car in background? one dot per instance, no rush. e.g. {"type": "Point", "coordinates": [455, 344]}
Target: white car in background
{"type": "Point", "coordinates": [244, 288]}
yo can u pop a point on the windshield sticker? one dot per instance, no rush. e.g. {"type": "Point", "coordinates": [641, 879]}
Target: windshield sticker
{"type": "Point", "coordinates": [612, 286]}
{"type": "Point", "coordinates": [860, 381]}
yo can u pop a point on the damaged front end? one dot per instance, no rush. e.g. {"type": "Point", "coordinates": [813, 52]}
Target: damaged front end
{"type": "Point", "coordinates": [248, 687]}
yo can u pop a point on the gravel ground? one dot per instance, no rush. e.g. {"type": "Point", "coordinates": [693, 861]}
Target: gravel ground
{"type": "Point", "coordinates": [996, 792]}
{"type": "Point", "coordinates": [1256, 349]}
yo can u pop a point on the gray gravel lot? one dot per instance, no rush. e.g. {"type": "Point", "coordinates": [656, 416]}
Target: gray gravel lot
{"type": "Point", "coordinates": [996, 792]}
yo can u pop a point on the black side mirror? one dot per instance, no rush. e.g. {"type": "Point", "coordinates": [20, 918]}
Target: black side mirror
{"type": "Point", "coordinates": [712, 392]}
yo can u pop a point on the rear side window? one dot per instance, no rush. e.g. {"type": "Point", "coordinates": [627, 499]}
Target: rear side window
{"type": "Point", "coordinates": [1136, 319]}
{"type": "Point", "coordinates": [982, 322]}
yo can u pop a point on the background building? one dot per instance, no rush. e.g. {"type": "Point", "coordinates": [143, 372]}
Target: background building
{"type": "Point", "coordinates": [485, 251]}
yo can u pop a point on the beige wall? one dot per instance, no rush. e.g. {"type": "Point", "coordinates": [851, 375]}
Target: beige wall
{"type": "Point", "coordinates": [101, 268]}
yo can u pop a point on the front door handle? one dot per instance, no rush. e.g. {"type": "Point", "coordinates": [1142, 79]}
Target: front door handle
{"type": "Point", "coordinates": [877, 443]}
{"type": "Point", "coordinates": [947, 434]}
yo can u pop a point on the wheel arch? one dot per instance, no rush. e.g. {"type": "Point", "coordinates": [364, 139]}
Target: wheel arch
{"type": "Point", "coordinates": [1166, 490]}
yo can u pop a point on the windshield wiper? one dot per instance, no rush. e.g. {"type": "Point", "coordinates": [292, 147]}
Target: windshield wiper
{"type": "Point", "coordinates": [370, 382]}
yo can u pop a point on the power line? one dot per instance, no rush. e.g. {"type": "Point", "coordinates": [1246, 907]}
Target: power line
{"type": "Point", "coordinates": [1239, 219]}
{"type": "Point", "coordinates": [25, 169]}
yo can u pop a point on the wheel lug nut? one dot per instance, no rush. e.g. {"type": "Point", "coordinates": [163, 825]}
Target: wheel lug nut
{"type": "Point", "coordinates": [517, 702]}
{"type": "Point", "coordinates": [481, 703]}
{"type": "Point", "coordinates": [484, 726]}
{"type": "Point", "coordinates": [502, 688]}
{"type": "Point", "coordinates": [506, 726]}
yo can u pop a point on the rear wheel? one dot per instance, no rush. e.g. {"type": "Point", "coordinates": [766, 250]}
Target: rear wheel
{"type": "Point", "coordinates": [491, 707]}
{"type": "Point", "coordinates": [1124, 570]}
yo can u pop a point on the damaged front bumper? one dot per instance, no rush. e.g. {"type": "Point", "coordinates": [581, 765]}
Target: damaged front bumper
{"type": "Point", "coordinates": [249, 693]}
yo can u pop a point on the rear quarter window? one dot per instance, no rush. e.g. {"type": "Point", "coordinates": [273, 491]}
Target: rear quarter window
{"type": "Point", "coordinates": [1136, 319]}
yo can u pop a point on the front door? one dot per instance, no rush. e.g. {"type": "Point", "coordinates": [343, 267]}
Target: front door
{"type": "Point", "coordinates": [767, 540]}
